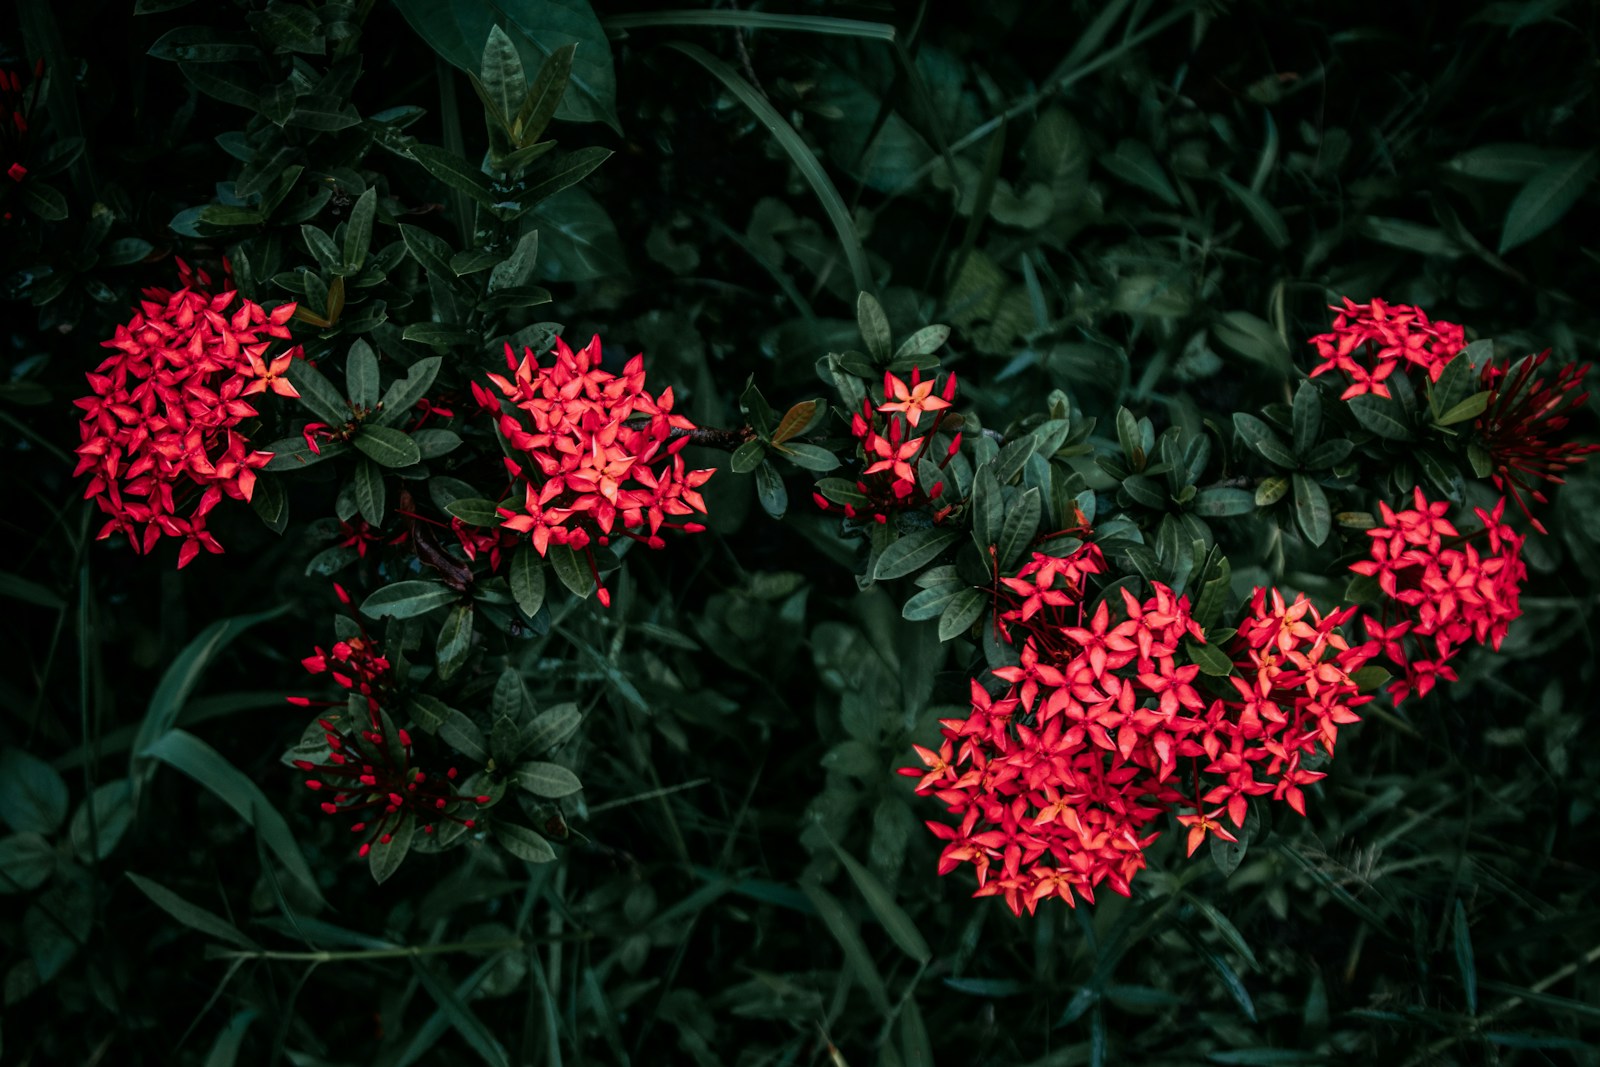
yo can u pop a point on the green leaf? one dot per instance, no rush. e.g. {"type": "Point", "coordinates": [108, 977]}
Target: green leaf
{"type": "Point", "coordinates": [874, 326]}
{"type": "Point", "coordinates": [517, 268]}
{"type": "Point", "coordinates": [407, 600]}
{"type": "Point", "coordinates": [321, 247]}
{"type": "Point", "coordinates": [577, 241]}
{"type": "Point", "coordinates": [1311, 509]}
{"type": "Point", "coordinates": [464, 736]}
{"type": "Point", "coordinates": [430, 251]}
{"type": "Point", "coordinates": [1022, 522]}
{"type": "Point", "coordinates": [1470, 408]}
{"type": "Point", "coordinates": [1546, 198]}
{"type": "Point", "coordinates": [318, 394]}
{"type": "Point", "coordinates": [1223, 503]}
{"type": "Point", "coordinates": [358, 231]}
{"type": "Point", "coordinates": [1134, 163]}
{"type": "Point", "coordinates": [1267, 218]}
{"type": "Point", "coordinates": [988, 508]}
{"type": "Point", "coordinates": [543, 97]}
{"type": "Point", "coordinates": [959, 615]}
{"type": "Point", "coordinates": [190, 915]}
{"type": "Point", "coordinates": [474, 511]}
{"type": "Point", "coordinates": [924, 342]}
{"type": "Point", "coordinates": [1327, 454]}
{"type": "Point", "coordinates": [539, 29]}
{"type": "Point", "coordinates": [523, 843]}
{"type": "Point", "coordinates": [271, 504]}
{"type": "Point", "coordinates": [552, 727]}
{"type": "Point", "coordinates": [1253, 338]}
{"type": "Point", "coordinates": [572, 571]}
{"type": "Point", "coordinates": [896, 923]}
{"type": "Point", "coordinates": [27, 861]}
{"type": "Point", "coordinates": [186, 753]}
{"type": "Point", "coordinates": [1209, 658]}
{"type": "Point", "coordinates": [1264, 440]}
{"type": "Point", "coordinates": [387, 445]}
{"type": "Point", "coordinates": [455, 172]}
{"type": "Point", "coordinates": [201, 44]}
{"type": "Point", "coordinates": [844, 931]}
{"type": "Point", "coordinates": [361, 375]}
{"type": "Point", "coordinates": [748, 456]}
{"type": "Point", "coordinates": [527, 580]}
{"type": "Point", "coordinates": [33, 798]}
{"type": "Point", "coordinates": [770, 490]}
{"type": "Point", "coordinates": [501, 77]}
{"type": "Point", "coordinates": [1515, 163]}
{"type": "Point", "coordinates": [1464, 961]}
{"type": "Point", "coordinates": [43, 200]}
{"type": "Point", "coordinates": [912, 552]}
{"type": "Point", "coordinates": [455, 641]}
{"type": "Point", "coordinates": [99, 823]}
{"type": "Point", "coordinates": [1307, 417]}
{"type": "Point", "coordinates": [454, 1008]}
{"type": "Point", "coordinates": [810, 457]}
{"type": "Point", "coordinates": [384, 858]}
{"type": "Point", "coordinates": [402, 396]}
{"type": "Point", "coordinates": [832, 203]}
{"type": "Point", "coordinates": [561, 172]}
{"type": "Point", "coordinates": [1382, 416]}
{"type": "Point", "coordinates": [371, 496]}
{"type": "Point", "coordinates": [180, 678]}
{"type": "Point", "coordinates": [547, 779]}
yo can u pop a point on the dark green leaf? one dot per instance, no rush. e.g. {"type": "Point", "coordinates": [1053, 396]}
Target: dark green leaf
{"type": "Point", "coordinates": [962, 611]}
{"type": "Point", "coordinates": [201, 44]}
{"type": "Point", "coordinates": [1134, 163]}
{"type": "Point", "coordinates": [1222, 503]}
{"type": "Point", "coordinates": [547, 779]}
{"type": "Point", "coordinates": [195, 918]}
{"type": "Point", "coordinates": [770, 490]}
{"type": "Point", "coordinates": [1470, 408]}
{"type": "Point", "coordinates": [407, 600]}
{"type": "Point", "coordinates": [1382, 416]}
{"type": "Point", "coordinates": [748, 456]}
{"type": "Point", "coordinates": [1465, 964]}
{"type": "Point", "coordinates": [99, 823]}
{"type": "Point", "coordinates": [454, 1008]}
{"type": "Point", "coordinates": [523, 843]}
{"type": "Point", "coordinates": [455, 641]}
{"type": "Point", "coordinates": [33, 798]}
{"type": "Point", "coordinates": [561, 172]}
{"type": "Point", "coordinates": [387, 445]}
{"type": "Point", "coordinates": [1264, 440]}
{"type": "Point", "coordinates": [1311, 509]}
{"type": "Point", "coordinates": [881, 902]}
{"type": "Point", "coordinates": [430, 251]}
{"type": "Point", "coordinates": [385, 857]}
{"type": "Point", "coordinates": [358, 231]}
{"type": "Point", "coordinates": [527, 580]}
{"type": "Point", "coordinates": [402, 396]}
{"type": "Point", "coordinates": [361, 375]}
{"type": "Point", "coordinates": [1210, 659]}
{"type": "Point", "coordinates": [371, 496]}
{"type": "Point", "coordinates": [810, 457]}
{"type": "Point", "coordinates": [844, 931]}
{"type": "Point", "coordinates": [43, 200]}
{"type": "Point", "coordinates": [455, 172]}
{"type": "Point", "coordinates": [573, 571]}
{"type": "Point", "coordinates": [1547, 197]}
{"type": "Point", "coordinates": [912, 552]}
{"type": "Point", "coordinates": [318, 394]}
{"type": "Point", "coordinates": [474, 511]}
{"type": "Point", "coordinates": [1307, 417]}
{"type": "Point", "coordinates": [26, 862]}
{"type": "Point", "coordinates": [552, 727]}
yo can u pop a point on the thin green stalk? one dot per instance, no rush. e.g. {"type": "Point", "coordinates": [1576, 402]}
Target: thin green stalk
{"type": "Point", "coordinates": [399, 951]}
{"type": "Point", "coordinates": [756, 20]}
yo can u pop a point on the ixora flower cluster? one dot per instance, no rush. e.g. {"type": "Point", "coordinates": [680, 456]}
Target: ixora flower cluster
{"type": "Point", "coordinates": [1122, 710]}
{"type": "Point", "coordinates": [895, 437]}
{"type": "Point", "coordinates": [160, 428]}
{"type": "Point", "coordinates": [1387, 337]}
{"type": "Point", "coordinates": [1056, 784]}
{"type": "Point", "coordinates": [369, 768]}
{"type": "Point", "coordinates": [600, 455]}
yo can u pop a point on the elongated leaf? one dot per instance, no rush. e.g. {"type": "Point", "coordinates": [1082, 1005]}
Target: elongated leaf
{"type": "Point", "coordinates": [1383, 417]}
{"type": "Point", "coordinates": [1022, 522]}
{"type": "Point", "coordinates": [432, 252]}
{"type": "Point", "coordinates": [99, 823]}
{"type": "Point", "coordinates": [1263, 440]}
{"type": "Point", "coordinates": [912, 552]}
{"type": "Point", "coordinates": [543, 98]}
{"type": "Point", "coordinates": [371, 496]}
{"type": "Point", "coordinates": [187, 753]}
{"type": "Point", "coordinates": [406, 600]}
{"type": "Point", "coordinates": [318, 394]}
{"type": "Point", "coordinates": [960, 613]}
{"type": "Point", "coordinates": [844, 931]}
{"type": "Point", "coordinates": [538, 28]}
{"type": "Point", "coordinates": [190, 915]}
{"type": "Point", "coordinates": [800, 152]}
{"type": "Point", "coordinates": [1307, 417]}
{"type": "Point", "coordinates": [402, 396]}
{"type": "Point", "coordinates": [385, 857]}
{"type": "Point", "coordinates": [1134, 163]}
{"type": "Point", "coordinates": [1465, 964]}
{"type": "Point", "coordinates": [178, 682]}
{"type": "Point", "coordinates": [572, 571]}
{"type": "Point", "coordinates": [1222, 502]}
{"type": "Point", "coordinates": [358, 231]}
{"type": "Point", "coordinates": [477, 1036]}
{"type": "Point", "coordinates": [524, 843]}
{"type": "Point", "coordinates": [1311, 509]}
{"type": "Point", "coordinates": [563, 171]}
{"type": "Point", "coordinates": [1547, 198]}
{"type": "Point", "coordinates": [527, 580]}
{"type": "Point", "coordinates": [387, 446]}
{"type": "Point", "coordinates": [552, 727]}
{"type": "Point", "coordinates": [547, 779]}
{"type": "Point", "coordinates": [895, 921]}
{"type": "Point", "coordinates": [361, 375]}
{"type": "Point", "coordinates": [455, 641]}
{"type": "Point", "coordinates": [454, 171]}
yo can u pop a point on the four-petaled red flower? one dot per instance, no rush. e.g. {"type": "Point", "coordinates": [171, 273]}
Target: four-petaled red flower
{"type": "Point", "coordinates": [894, 444]}
{"type": "Point", "coordinates": [1385, 336]}
{"type": "Point", "coordinates": [1440, 594]}
{"type": "Point", "coordinates": [597, 454]}
{"type": "Point", "coordinates": [160, 428]}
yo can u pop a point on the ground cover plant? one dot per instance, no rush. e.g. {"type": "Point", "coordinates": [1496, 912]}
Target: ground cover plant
{"type": "Point", "coordinates": [559, 533]}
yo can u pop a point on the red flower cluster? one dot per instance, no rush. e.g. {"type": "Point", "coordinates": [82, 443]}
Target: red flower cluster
{"type": "Point", "coordinates": [1395, 333]}
{"type": "Point", "coordinates": [357, 665]}
{"type": "Point", "coordinates": [600, 453]}
{"type": "Point", "coordinates": [375, 778]}
{"type": "Point", "coordinates": [894, 440]}
{"type": "Point", "coordinates": [1293, 689]}
{"type": "Point", "coordinates": [1525, 413]}
{"type": "Point", "coordinates": [1057, 782]}
{"type": "Point", "coordinates": [1445, 594]}
{"type": "Point", "coordinates": [159, 432]}
{"type": "Point", "coordinates": [16, 109]}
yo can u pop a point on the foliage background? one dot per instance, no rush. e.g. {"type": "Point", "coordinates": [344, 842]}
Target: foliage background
{"type": "Point", "coordinates": [1174, 194]}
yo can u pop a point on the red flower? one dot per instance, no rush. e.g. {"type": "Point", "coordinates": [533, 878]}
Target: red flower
{"type": "Point", "coordinates": [1445, 593]}
{"type": "Point", "coordinates": [1386, 336]}
{"type": "Point", "coordinates": [1525, 413]}
{"type": "Point", "coordinates": [893, 447]}
{"type": "Point", "coordinates": [160, 428]}
{"type": "Point", "coordinates": [598, 455]}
